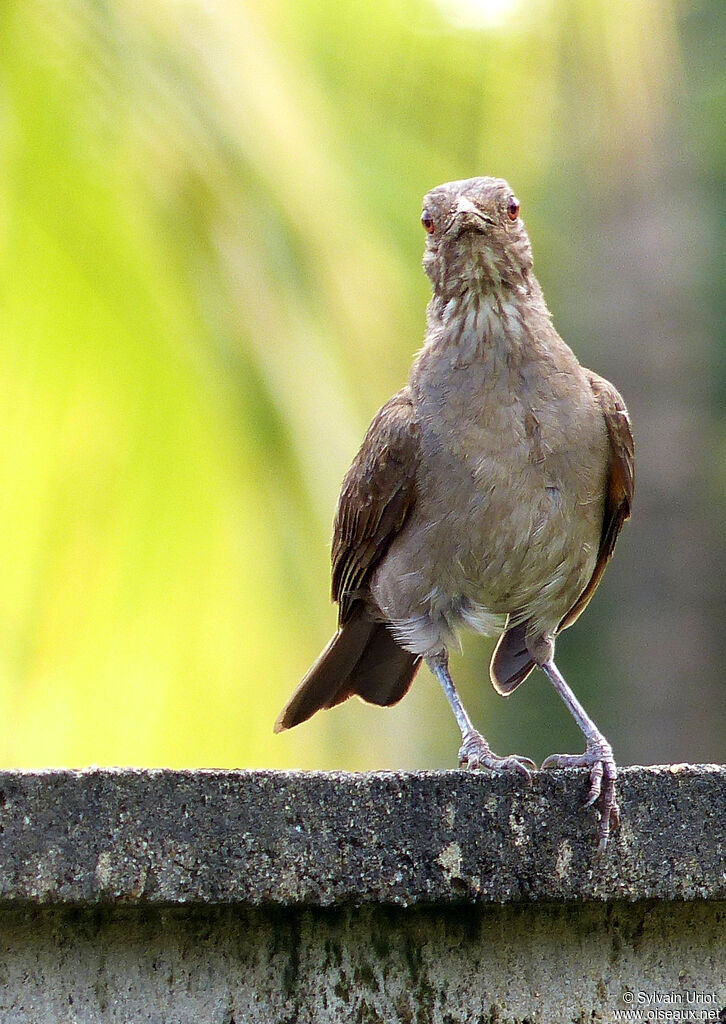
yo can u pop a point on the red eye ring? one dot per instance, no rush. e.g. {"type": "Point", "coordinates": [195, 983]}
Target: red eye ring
{"type": "Point", "coordinates": [512, 208]}
{"type": "Point", "coordinates": [428, 222]}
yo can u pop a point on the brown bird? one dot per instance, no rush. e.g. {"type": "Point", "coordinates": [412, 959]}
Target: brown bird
{"type": "Point", "coordinates": [489, 492]}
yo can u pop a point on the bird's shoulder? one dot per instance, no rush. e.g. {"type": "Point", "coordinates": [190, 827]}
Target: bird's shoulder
{"type": "Point", "coordinates": [389, 450]}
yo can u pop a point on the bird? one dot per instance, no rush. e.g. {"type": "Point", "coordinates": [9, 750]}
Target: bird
{"type": "Point", "coordinates": [488, 494]}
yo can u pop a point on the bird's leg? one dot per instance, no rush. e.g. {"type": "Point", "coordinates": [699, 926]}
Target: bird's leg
{"type": "Point", "coordinates": [598, 757]}
{"type": "Point", "coordinates": [475, 752]}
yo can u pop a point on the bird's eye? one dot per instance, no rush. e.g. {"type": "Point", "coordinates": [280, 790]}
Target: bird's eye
{"type": "Point", "coordinates": [512, 208]}
{"type": "Point", "coordinates": [428, 221]}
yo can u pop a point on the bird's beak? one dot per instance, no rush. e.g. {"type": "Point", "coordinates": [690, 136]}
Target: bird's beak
{"type": "Point", "coordinates": [465, 205]}
{"type": "Point", "coordinates": [473, 216]}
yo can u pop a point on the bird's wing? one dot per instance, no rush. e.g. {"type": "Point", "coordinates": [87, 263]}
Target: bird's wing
{"type": "Point", "coordinates": [620, 483]}
{"type": "Point", "coordinates": [376, 497]}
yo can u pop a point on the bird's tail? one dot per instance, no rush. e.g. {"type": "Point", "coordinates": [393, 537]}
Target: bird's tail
{"type": "Point", "coordinates": [362, 658]}
{"type": "Point", "coordinates": [511, 662]}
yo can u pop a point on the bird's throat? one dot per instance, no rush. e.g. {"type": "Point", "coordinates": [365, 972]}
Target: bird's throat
{"type": "Point", "coordinates": [478, 325]}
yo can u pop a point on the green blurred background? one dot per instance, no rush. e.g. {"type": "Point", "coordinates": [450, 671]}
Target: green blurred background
{"type": "Point", "coordinates": [210, 280]}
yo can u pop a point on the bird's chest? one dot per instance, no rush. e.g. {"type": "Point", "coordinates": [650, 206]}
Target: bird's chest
{"type": "Point", "coordinates": [516, 462]}
{"type": "Point", "coordinates": [493, 435]}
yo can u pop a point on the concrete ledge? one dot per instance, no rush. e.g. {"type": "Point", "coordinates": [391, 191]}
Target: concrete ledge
{"type": "Point", "coordinates": [318, 839]}
{"type": "Point", "coordinates": [289, 898]}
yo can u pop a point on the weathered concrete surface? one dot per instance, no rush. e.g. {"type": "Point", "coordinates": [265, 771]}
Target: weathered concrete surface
{"type": "Point", "coordinates": [431, 898]}
{"type": "Point", "coordinates": [319, 839]}
{"type": "Point", "coordinates": [538, 963]}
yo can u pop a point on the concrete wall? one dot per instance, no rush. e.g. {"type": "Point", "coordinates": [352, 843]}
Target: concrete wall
{"type": "Point", "coordinates": [430, 897]}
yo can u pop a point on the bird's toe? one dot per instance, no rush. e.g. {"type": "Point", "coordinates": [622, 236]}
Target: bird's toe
{"type": "Point", "coordinates": [476, 753]}
{"type": "Point", "coordinates": [602, 791]}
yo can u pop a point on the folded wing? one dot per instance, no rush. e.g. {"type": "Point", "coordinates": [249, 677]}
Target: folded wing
{"type": "Point", "coordinates": [511, 663]}
{"type": "Point", "coordinates": [377, 496]}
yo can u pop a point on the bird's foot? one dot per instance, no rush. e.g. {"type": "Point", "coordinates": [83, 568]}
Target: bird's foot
{"type": "Point", "coordinates": [476, 753]}
{"type": "Point", "coordinates": [603, 774]}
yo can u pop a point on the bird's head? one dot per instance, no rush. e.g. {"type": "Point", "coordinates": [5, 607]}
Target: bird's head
{"type": "Point", "coordinates": [477, 241]}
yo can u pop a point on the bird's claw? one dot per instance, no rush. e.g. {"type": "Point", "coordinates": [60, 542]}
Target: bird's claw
{"type": "Point", "coordinates": [603, 775]}
{"type": "Point", "coordinates": [476, 753]}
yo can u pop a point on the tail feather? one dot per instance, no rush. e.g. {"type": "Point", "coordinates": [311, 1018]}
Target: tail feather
{"type": "Point", "coordinates": [362, 658]}
{"type": "Point", "coordinates": [384, 672]}
{"type": "Point", "coordinates": [511, 662]}
{"type": "Point", "coordinates": [328, 675]}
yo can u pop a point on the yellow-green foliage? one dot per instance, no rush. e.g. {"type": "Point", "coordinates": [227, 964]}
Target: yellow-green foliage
{"type": "Point", "coordinates": [210, 273]}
